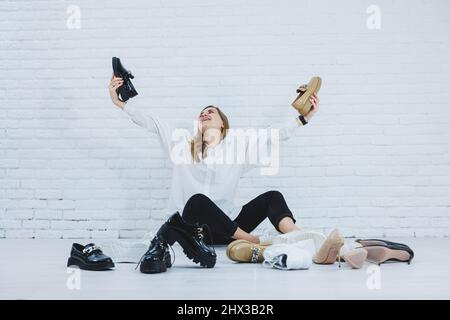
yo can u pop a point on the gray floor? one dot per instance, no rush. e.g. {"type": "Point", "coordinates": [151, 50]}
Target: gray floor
{"type": "Point", "coordinates": [35, 269]}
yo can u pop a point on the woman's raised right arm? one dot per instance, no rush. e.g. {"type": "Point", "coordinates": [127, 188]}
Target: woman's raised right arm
{"type": "Point", "coordinates": [150, 123]}
{"type": "Point", "coordinates": [147, 122]}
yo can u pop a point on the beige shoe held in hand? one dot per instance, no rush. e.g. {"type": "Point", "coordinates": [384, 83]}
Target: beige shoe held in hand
{"type": "Point", "coordinates": [305, 91]}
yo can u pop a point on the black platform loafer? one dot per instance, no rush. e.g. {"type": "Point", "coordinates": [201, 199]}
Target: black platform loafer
{"type": "Point", "coordinates": [157, 257]}
{"type": "Point", "coordinates": [126, 90]}
{"type": "Point", "coordinates": [190, 237]}
{"type": "Point", "coordinates": [89, 257]}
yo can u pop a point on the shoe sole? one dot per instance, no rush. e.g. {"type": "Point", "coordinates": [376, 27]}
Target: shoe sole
{"type": "Point", "coordinates": [115, 65]}
{"type": "Point", "coordinates": [356, 258]}
{"type": "Point", "coordinates": [330, 249]}
{"type": "Point", "coordinates": [332, 254]}
{"type": "Point", "coordinates": [379, 255]}
{"type": "Point", "coordinates": [155, 266]}
{"type": "Point", "coordinates": [100, 266]}
{"type": "Point", "coordinates": [302, 104]}
{"type": "Point", "coordinates": [150, 267]}
{"type": "Point", "coordinates": [170, 235]}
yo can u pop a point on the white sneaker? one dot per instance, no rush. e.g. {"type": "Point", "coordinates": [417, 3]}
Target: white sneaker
{"type": "Point", "coordinates": [267, 238]}
{"type": "Point", "coordinates": [297, 256]}
{"type": "Point", "coordinates": [127, 251]}
{"type": "Point", "coordinates": [307, 245]}
{"type": "Point", "coordinates": [295, 236]}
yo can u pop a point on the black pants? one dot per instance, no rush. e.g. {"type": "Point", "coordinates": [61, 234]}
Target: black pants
{"type": "Point", "coordinates": [271, 204]}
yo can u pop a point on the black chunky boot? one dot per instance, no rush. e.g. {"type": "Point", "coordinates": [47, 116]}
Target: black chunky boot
{"type": "Point", "coordinates": [190, 237]}
{"type": "Point", "coordinates": [157, 257]}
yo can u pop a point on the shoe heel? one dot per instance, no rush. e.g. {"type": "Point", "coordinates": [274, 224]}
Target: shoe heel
{"type": "Point", "coordinates": [72, 262]}
{"type": "Point", "coordinates": [339, 257]}
{"type": "Point", "coordinates": [167, 234]}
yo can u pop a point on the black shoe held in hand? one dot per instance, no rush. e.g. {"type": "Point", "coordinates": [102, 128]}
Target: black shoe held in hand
{"type": "Point", "coordinates": [157, 257]}
{"type": "Point", "coordinates": [89, 257]}
{"type": "Point", "coordinates": [190, 237]}
{"type": "Point", "coordinates": [126, 90]}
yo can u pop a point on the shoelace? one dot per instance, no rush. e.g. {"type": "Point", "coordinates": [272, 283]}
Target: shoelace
{"type": "Point", "coordinates": [161, 244]}
{"type": "Point", "coordinates": [199, 233]}
{"type": "Point", "coordinates": [200, 230]}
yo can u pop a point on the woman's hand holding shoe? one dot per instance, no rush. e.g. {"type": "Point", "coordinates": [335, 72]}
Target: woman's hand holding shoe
{"type": "Point", "coordinates": [114, 84]}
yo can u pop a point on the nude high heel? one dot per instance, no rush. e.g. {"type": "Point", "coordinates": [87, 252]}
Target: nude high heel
{"type": "Point", "coordinates": [380, 251]}
{"type": "Point", "coordinates": [382, 254]}
{"type": "Point", "coordinates": [330, 250]}
{"type": "Point", "coordinates": [355, 258]}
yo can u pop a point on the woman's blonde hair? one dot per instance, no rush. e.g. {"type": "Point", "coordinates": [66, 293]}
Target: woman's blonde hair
{"type": "Point", "coordinates": [198, 145]}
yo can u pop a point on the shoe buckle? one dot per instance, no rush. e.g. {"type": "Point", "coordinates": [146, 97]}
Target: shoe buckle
{"type": "Point", "coordinates": [255, 254]}
{"type": "Point", "coordinates": [89, 249]}
{"type": "Point", "coordinates": [302, 88]}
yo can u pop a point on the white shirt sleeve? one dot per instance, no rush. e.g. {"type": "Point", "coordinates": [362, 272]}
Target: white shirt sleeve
{"type": "Point", "coordinates": [152, 124]}
{"type": "Point", "coordinates": [285, 130]}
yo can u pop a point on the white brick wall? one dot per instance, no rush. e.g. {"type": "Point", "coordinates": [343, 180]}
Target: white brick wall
{"type": "Point", "coordinates": [375, 161]}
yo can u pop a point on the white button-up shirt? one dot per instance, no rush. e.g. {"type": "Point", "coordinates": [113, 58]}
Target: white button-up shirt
{"type": "Point", "coordinates": [215, 179]}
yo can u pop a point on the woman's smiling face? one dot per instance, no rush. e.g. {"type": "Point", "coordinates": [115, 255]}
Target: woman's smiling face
{"type": "Point", "coordinates": [209, 119]}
